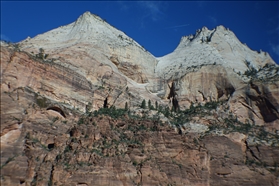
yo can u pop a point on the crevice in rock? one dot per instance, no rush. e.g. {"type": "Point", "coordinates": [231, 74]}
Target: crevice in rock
{"type": "Point", "coordinates": [106, 103]}
{"type": "Point", "coordinates": [273, 109]}
{"type": "Point", "coordinates": [223, 174]}
{"type": "Point", "coordinates": [51, 176]}
{"type": "Point", "coordinates": [180, 152]}
{"type": "Point", "coordinates": [34, 181]}
{"type": "Point", "coordinates": [21, 181]}
{"type": "Point", "coordinates": [255, 87]}
{"type": "Point", "coordinates": [224, 87]}
{"type": "Point", "coordinates": [267, 110]}
{"type": "Point", "coordinates": [250, 108]}
{"type": "Point", "coordinates": [82, 183]}
{"type": "Point", "coordinates": [179, 131]}
{"type": "Point", "coordinates": [140, 172]}
{"type": "Point", "coordinates": [210, 36]}
{"type": "Point", "coordinates": [230, 90]}
{"type": "Point", "coordinates": [172, 90]}
{"type": "Point", "coordinates": [73, 132]}
{"type": "Point", "coordinates": [251, 151]}
{"type": "Point", "coordinates": [204, 98]}
{"type": "Point", "coordinates": [258, 150]}
{"type": "Point", "coordinates": [117, 97]}
{"type": "Point", "coordinates": [173, 97]}
{"type": "Point", "coordinates": [220, 92]}
{"type": "Point", "coordinates": [196, 173]}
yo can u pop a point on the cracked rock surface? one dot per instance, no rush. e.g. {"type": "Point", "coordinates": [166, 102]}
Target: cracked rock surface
{"type": "Point", "coordinates": [73, 110]}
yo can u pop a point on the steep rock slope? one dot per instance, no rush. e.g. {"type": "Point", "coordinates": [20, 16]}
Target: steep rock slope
{"type": "Point", "coordinates": [91, 39]}
{"type": "Point", "coordinates": [113, 69]}
{"type": "Point", "coordinates": [52, 83]}
{"type": "Point", "coordinates": [97, 54]}
{"type": "Point", "coordinates": [215, 65]}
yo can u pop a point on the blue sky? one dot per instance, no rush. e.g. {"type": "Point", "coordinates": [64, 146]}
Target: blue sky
{"type": "Point", "coordinates": [156, 25]}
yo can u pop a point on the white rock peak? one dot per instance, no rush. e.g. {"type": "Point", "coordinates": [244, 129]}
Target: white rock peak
{"type": "Point", "coordinates": [219, 46]}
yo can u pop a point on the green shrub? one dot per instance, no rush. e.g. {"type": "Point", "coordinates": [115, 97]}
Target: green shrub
{"type": "Point", "coordinates": [211, 105]}
{"type": "Point", "coordinates": [41, 101]}
{"type": "Point", "coordinates": [112, 112]}
{"type": "Point", "coordinates": [80, 121]}
{"type": "Point", "coordinates": [67, 149]}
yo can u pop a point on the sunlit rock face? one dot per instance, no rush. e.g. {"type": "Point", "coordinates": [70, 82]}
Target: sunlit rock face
{"type": "Point", "coordinates": [215, 65]}
{"type": "Point", "coordinates": [51, 81]}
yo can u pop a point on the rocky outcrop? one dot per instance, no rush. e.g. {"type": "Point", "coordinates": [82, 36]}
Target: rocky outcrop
{"type": "Point", "coordinates": [215, 65]}
{"type": "Point", "coordinates": [207, 66]}
{"type": "Point", "coordinates": [100, 150]}
{"type": "Point", "coordinates": [257, 101]}
{"type": "Point", "coordinates": [212, 116]}
{"type": "Point", "coordinates": [62, 84]}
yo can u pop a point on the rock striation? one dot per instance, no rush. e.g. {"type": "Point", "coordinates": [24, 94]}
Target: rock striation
{"type": "Point", "coordinates": [212, 117]}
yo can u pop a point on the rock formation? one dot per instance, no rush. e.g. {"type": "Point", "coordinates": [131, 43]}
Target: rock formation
{"type": "Point", "coordinates": [212, 118]}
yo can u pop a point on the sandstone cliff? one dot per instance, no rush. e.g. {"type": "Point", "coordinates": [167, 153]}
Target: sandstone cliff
{"type": "Point", "coordinates": [63, 121]}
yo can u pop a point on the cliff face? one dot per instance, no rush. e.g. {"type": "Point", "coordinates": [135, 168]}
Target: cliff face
{"type": "Point", "coordinates": [207, 66]}
{"type": "Point", "coordinates": [44, 148]}
{"type": "Point", "coordinates": [215, 65]}
{"type": "Point", "coordinates": [224, 130]}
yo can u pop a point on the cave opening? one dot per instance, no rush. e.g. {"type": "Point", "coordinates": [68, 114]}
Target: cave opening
{"type": "Point", "coordinates": [50, 146]}
{"type": "Point", "coordinates": [21, 181]}
{"type": "Point", "coordinates": [57, 109]}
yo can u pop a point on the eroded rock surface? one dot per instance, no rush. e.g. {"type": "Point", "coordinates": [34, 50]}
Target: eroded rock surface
{"type": "Point", "coordinates": [101, 150]}
{"type": "Point", "coordinates": [212, 117]}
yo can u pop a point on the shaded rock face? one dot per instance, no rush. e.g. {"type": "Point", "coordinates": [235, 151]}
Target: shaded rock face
{"type": "Point", "coordinates": [100, 150]}
{"type": "Point", "coordinates": [257, 102]}
{"type": "Point", "coordinates": [223, 129]}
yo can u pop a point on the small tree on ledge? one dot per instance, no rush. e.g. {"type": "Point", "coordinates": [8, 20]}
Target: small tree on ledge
{"type": "Point", "coordinates": [143, 104]}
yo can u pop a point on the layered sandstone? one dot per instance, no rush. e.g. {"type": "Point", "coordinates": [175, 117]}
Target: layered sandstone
{"type": "Point", "coordinates": [225, 134]}
{"type": "Point", "coordinates": [100, 150]}
{"type": "Point", "coordinates": [207, 66]}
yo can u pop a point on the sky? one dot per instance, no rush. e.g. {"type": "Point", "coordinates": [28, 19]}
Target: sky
{"type": "Point", "coordinates": [156, 25]}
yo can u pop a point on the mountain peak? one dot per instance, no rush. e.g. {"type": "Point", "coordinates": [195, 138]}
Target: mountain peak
{"type": "Point", "coordinates": [87, 13]}
{"type": "Point", "coordinates": [204, 34]}
{"type": "Point", "coordinates": [217, 46]}
{"type": "Point", "coordinates": [88, 17]}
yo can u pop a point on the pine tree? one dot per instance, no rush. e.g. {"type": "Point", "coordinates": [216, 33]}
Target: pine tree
{"type": "Point", "coordinates": [126, 106]}
{"type": "Point", "coordinates": [149, 104]}
{"type": "Point", "coordinates": [41, 53]}
{"type": "Point", "coordinates": [160, 109]}
{"type": "Point", "coordinates": [143, 104]}
{"type": "Point", "coordinates": [167, 112]}
{"type": "Point", "coordinates": [156, 105]}
{"type": "Point", "coordinates": [41, 50]}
